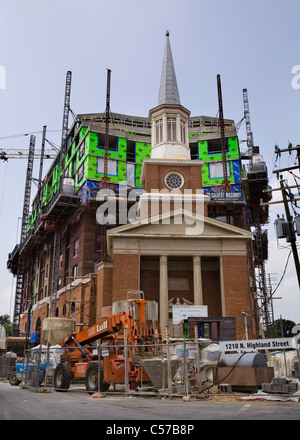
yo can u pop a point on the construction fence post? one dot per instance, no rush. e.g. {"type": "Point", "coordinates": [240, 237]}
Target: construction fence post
{"type": "Point", "coordinates": [99, 365]}
{"type": "Point", "coordinates": [185, 368]}
{"type": "Point", "coordinates": [169, 362]}
{"type": "Point", "coordinates": [126, 363]}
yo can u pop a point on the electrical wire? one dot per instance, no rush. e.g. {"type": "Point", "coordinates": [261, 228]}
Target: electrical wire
{"type": "Point", "coordinates": [284, 271]}
{"type": "Point", "coordinates": [270, 298]}
{"type": "Point", "coordinates": [27, 134]}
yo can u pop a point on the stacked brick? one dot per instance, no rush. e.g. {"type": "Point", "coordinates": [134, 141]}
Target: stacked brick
{"type": "Point", "coordinates": [281, 385]}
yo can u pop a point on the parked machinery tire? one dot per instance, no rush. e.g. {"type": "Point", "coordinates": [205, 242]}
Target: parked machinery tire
{"type": "Point", "coordinates": [91, 378]}
{"type": "Point", "coordinates": [13, 379]}
{"type": "Point", "coordinates": [62, 377]}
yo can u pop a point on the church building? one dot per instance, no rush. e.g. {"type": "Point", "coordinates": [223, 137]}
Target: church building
{"type": "Point", "coordinates": [174, 252]}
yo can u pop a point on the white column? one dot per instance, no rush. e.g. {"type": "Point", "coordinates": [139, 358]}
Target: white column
{"type": "Point", "coordinates": [222, 287]}
{"type": "Point", "coordinates": [165, 127]}
{"type": "Point", "coordinates": [198, 293]}
{"type": "Point", "coordinates": [187, 133]}
{"type": "Point", "coordinates": [178, 134]}
{"type": "Point", "coordinates": [163, 294]}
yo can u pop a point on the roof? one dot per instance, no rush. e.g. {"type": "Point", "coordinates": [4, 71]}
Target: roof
{"type": "Point", "coordinates": [168, 92]}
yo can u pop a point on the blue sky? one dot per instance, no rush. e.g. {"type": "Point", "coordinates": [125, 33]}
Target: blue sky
{"type": "Point", "coordinates": [252, 45]}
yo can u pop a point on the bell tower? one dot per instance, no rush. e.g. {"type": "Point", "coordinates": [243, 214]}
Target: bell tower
{"type": "Point", "coordinates": [169, 119]}
{"type": "Point", "coordinates": [170, 169]}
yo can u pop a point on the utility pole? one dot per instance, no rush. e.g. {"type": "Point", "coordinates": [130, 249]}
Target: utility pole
{"type": "Point", "coordinates": [285, 201]}
{"type": "Point", "coordinates": [292, 230]}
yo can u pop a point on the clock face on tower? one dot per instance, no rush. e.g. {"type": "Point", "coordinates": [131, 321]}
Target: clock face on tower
{"type": "Point", "coordinates": [174, 180]}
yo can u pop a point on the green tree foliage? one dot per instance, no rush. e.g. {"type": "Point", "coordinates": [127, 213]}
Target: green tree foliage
{"type": "Point", "coordinates": [275, 330]}
{"type": "Point", "coordinates": [5, 321]}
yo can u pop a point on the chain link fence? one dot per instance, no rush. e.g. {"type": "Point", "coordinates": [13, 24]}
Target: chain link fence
{"type": "Point", "coordinates": [170, 369]}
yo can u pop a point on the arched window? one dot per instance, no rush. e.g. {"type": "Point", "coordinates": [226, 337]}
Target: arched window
{"type": "Point", "coordinates": [38, 326]}
{"type": "Point", "coordinates": [171, 129]}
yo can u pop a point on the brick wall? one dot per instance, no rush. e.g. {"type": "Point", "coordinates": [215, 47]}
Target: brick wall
{"type": "Point", "coordinates": [125, 275]}
{"type": "Point", "coordinates": [237, 291]}
{"type": "Point", "coordinates": [212, 292]}
{"type": "Point", "coordinates": [155, 180]}
{"type": "Point", "coordinates": [77, 305]}
{"type": "Point", "coordinates": [156, 173]}
{"type": "Point", "coordinates": [83, 228]}
{"type": "Point", "coordinates": [104, 288]}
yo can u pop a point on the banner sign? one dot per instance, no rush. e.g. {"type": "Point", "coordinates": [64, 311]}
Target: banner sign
{"type": "Point", "coordinates": [232, 196]}
{"type": "Point", "coordinates": [257, 344]}
{"type": "Point", "coordinates": [180, 313]}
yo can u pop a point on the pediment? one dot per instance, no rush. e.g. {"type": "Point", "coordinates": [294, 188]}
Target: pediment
{"type": "Point", "coordinates": [180, 224]}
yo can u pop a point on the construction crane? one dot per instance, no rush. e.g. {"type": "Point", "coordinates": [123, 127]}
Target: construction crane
{"type": "Point", "coordinates": [66, 107]}
{"type": "Point", "coordinates": [250, 143]}
{"type": "Point", "coordinates": [20, 272]}
{"type": "Point", "coordinates": [105, 178]}
{"type": "Point", "coordinates": [263, 290]}
{"type": "Point", "coordinates": [225, 183]}
{"type": "Point", "coordinates": [18, 153]}
{"type": "Point", "coordinates": [63, 151]}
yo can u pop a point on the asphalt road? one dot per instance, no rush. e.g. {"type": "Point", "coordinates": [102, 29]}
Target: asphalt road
{"type": "Point", "coordinates": [23, 404]}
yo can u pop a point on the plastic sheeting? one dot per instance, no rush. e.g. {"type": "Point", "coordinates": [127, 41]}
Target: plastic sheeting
{"type": "Point", "coordinates": [260, 395]}
{"type": "Point", "coordinates": [2, 337]}
{"type": "Point", "coordinates": [283, 363]}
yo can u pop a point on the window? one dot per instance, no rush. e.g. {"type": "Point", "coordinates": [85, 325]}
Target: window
{"type": "Point", "coordinates": [113, 142]}
{"type": "Point", "coordinates": [76, 248]}
{"type": "Point", "coordinates": [98, 242]}
{"type": "Point", "coordinates": [171, 129]}
{"type": "Point", "coordinates": [59, 283]}
{"type": "Point", "coordinates": [214, 146]}
{"type": "Point", "coordinates": [159, 131]}
{"type": "Point", "coordinates": [81, 149]}
{"type": "Point", "coordinates": [80, 172]}
{"type": "Point", "coordinates": [216, 170]}
{"type": "Point", "coordinates": [77, 222]}
{"type": "Point", "coordinates": [174, 180]}
{"type": "Point", "coordinates": [73, 308]}
{"type": "Point", "coordinates": [130, 173]}
{"type": "Point", "coordinates": [112, 167]}
{"type": "Point", "coordinates": [75, 271]}
{"type": "Point", "coordinates": [182, 131]}
{"type": "Point", "coordinates": [60, 260]}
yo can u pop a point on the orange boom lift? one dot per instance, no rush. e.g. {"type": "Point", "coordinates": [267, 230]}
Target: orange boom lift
{"type": "Point", "coordinates": [79, 361]}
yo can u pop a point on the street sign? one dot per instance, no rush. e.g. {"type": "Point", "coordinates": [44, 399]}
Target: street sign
{"type": "Point", "coordinates": [257, 344]}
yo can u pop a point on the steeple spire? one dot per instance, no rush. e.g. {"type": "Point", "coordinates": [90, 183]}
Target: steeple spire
{"type": "Point", "coordinates": [168, 92]}
{"type": "Point", "coordinates": [169, 120]}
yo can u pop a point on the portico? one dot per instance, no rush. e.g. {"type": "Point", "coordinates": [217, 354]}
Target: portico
{"type": "Point", "coordinates": [173, 267]}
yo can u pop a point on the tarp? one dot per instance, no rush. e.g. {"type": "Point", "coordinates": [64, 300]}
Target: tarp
{"type": "Point", "coordinates": [2, 337]}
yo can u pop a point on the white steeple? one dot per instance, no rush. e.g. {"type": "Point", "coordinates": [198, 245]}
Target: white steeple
{"type": "Point", "coordinates": [169, 119]}
{"type": "Point", "coordinates": [168, 92]}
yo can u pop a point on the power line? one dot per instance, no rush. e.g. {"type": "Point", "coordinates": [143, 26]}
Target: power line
{"type": "Point", "coordinates": [28, 134]}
